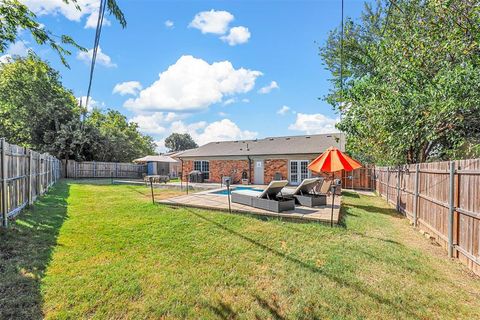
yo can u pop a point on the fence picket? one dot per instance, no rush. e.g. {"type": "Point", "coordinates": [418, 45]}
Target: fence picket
{"type": "Point", "coordinates": [24, 177]}
{"type": "Point", "coordinates": [444, 201]}
{"type": "Point", "coordinates": [4, 184]}
{"type": "Point", "coordinates": [94, 169]}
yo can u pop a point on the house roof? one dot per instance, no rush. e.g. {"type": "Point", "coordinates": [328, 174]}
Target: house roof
{"type": "Point", "coordinates": [307, 144]}
{"type": "Point", "coordinates": [156, 158]}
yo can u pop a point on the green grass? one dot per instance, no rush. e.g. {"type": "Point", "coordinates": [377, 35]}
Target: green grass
{"type": "Point", "coordinates": [105, 252]}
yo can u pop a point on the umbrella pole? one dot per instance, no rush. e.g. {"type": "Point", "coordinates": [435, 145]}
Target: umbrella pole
{"type": "Point", "coordinates": [333, 199]}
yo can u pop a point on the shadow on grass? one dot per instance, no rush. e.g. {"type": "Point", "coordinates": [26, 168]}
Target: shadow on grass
{"type": "Point", "coordinates": [25, 251]}
{"type": "Point", "coordinates": [337, 278]}
{"type": "Point", "coordinates": [379, 210]}
{"type": "Point", "coordinates": [350, 194]}
{"type": "Point", "coordinates": [270, 307]}
{"type": "Point", "coordinates": [223, 311]}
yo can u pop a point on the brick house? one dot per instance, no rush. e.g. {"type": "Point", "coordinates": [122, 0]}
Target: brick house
{"type": "Point", "coordinates": [260, 160]}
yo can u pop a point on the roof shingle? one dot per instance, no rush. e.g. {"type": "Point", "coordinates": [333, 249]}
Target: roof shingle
{"type": "Point", "coordinates": [307, 144]}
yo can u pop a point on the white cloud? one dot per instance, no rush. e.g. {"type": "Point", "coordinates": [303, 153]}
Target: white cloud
{"type": "Point", "coordinates": [6, 58]}
{"type": "Point", "coordinates": [163, 124]}
{"type": "Point", "coordinates": [203, 132]}
{"type": "Point", "coordinates": [102, 58]}
{"type": "Point", "coordinates": [169, 24]}
{"type": "Point", "coordinates": [270, 87]}
{"type": "Point", "coordinates": [229, 101]}
{"type": "Point", "coordinates": [193, 84]}
{"type": "Point", "coordinates": [92, 21]}
{"type": "Point", "coordinates": [212, 21]}
{"type": "Point", "coordinates": [157, 122]}
{"type": "Point", "coordinates": [283, 110]}
{"type": "Point", "coordinates": [222, 114]}
{"type": "Point", "coordinates": [18, 48]}
{"type": "Point", "coordinates": [151, 124]}
{"type": "Point", "coordinates": [59, 7]}
{"type": "Point", "coordinates": [161, 148]}
{"type": "Point", "coordinates": [127, 87]}
{"type": "Point", "coordinates": [245, 100]}
{"type": "Point", "coordinates": [237, 35]}
{"type": "Point", "coordinates": [92, 103]}
{"type": "Point", "coordinates": [314, 123]}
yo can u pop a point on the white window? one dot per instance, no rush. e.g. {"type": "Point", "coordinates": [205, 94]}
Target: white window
{"type": "Point", "coordinates": [298, 171]}
{"type": "Point", "coordinates": [203, 166]}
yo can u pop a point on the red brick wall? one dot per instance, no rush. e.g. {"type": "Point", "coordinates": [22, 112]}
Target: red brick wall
{"type": "Point", "coordinates": [231, 168]}
{"type": "Point", "coordinates": [274, 166]}
{"type": "Point", "coordinates": [219, 168]}
{"type": "Point", "coordinates": [234, 169]}
{"type": "Point", "coordinates": [187, 167]}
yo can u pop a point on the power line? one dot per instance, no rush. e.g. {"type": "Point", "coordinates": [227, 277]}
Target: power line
{"type": "Point", "coordinates": [341, 59]}
{"type": "Point", "coordinates": [98, 31]}
{"type": "Point", "coordinates": [341, 54]}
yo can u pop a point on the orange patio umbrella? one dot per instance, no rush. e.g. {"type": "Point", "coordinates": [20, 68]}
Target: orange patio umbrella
{"type": "Point", "coordinates": [333, 160]}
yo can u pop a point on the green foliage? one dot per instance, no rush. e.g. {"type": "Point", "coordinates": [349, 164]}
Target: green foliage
{"type": "Point", "coordinates": [180, 142]}
{"type": "Point", "coordinates": [16, 16]}
{"type": "Point", "coordinates": [36, 111]}
{"type": "Point", "coordinates": [33, 103]}
{"type": "Point", "coordinates": [119, 140]}
{"type": "Point", "coordinates": [412, 81]}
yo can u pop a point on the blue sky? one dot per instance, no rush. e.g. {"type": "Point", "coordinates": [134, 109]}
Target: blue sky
{"type": "Point", "coordinates": [203, 71]}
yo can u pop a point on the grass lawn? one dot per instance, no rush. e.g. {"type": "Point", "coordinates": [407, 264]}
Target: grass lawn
{"type": "Point", "coordinates": [99, 251]}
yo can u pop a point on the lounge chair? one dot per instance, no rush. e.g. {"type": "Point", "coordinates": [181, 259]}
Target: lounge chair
{"type": "Point", "coordinates": [325, 187]}
{"type": "Point", "coordinates": [267, 199]}
{"type": "Point", "coordinates": [305, 194]}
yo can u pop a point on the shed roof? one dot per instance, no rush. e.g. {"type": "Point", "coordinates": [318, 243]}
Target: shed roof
{"type": "Point", "coordinates": [156, 158]}
{"type": "Point", "coordinates": [306, 144]}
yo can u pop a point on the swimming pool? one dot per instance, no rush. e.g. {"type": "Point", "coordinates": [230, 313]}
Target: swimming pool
{"type": "Point", "coordinates": [225, 191]}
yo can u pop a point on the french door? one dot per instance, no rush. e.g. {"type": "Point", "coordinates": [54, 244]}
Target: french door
{"type": "Point", "coordinates": [298, 171]}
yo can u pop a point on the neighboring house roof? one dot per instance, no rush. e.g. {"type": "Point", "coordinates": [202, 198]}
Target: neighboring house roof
{"type": "Point", "coordinates": [157, 158]}
{"type": "Point", "coordinates": [307, 144]}
{"type": "Point", "coordinates": [174, 154]}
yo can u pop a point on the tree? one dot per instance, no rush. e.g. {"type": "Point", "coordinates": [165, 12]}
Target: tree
{"type": "Point", "coordinates": [34, 104]}
{"type": "Point", "coordinates": [119, 139]}
{"type": "Point", "coordinates": [411, 91]}
{"type": "Point", "coordinates": [37, 112]}
{"type": "Point", "coordinates": [16, 16]}
{"type": "Point", "coordinates": [180, 142]}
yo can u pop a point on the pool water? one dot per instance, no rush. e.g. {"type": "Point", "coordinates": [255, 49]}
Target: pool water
{"type": "Point", "coordinates": [225, 191]}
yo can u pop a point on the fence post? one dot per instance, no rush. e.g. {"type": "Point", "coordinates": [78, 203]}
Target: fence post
{"type": "Point", "coordinates": [30, 177]}
{"type": "Point", "coordinates": [373, 185]}
{"type": "Point", "coordinates": [39, 175]}
{"type": "Point", "coordinates": [398, 189]}
{"type": "Point", "coordinates": [415, 195]}
{"type": "Point", "coordinates": [4, 184]}
{"type": "Point", "coordinates": [94, 169]}
{"type": "Point", "coordinates": [451, 208]}
{"type": "Point", "coordinates": [50, 159]}
{"type": "Point", "coordinates": [388, 182]}
{"type": "Point", "coordinates": [116, 170]}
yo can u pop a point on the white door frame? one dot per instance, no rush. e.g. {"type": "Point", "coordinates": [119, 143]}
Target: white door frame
{"type": "Point", "coordinates": [258, 178]}
{"type": "Point", "coordinates": [299, 177]}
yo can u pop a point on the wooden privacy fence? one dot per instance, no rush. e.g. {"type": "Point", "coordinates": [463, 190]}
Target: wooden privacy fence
{"type": "Point", "coordinates": [25, 175]}
{"type": "Point", "coordinates": [359, 179]}
{"type": "Point", "coordinates": [442, 198]}
{"type": "Point", "coordinates": [94, 169]}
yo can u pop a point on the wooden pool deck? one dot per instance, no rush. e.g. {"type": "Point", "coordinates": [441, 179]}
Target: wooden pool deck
{"type": "Point", "coordinates": [208, 200]}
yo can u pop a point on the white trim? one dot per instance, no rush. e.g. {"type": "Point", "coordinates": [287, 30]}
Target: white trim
{"type": "Point", "coordinates": [299, 178]}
